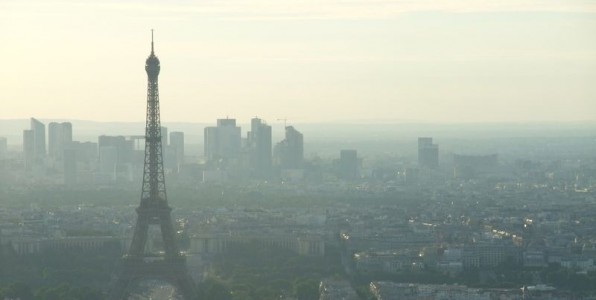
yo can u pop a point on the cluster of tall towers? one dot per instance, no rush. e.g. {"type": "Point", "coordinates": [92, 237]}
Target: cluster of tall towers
{"type": "Point", "coordinates": [119, 153]}
{"type": "Point", "coordinates": [34, 142]}
{"type": "Point", "coordinates": [54, 151]}
{"type": "Point", "coordinates": [224, 145]}
{"type": "Point", "coordinates": [60, 150]}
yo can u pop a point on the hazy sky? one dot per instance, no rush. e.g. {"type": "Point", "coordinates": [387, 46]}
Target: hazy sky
{"type": "Point", "coordinates": [304, 60]}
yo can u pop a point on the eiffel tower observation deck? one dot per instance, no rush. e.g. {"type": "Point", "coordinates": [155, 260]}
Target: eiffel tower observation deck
{"type": "Point", "coordinates": [138, 264]}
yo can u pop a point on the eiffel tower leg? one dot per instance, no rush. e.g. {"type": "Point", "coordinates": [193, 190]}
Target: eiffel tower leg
{"type": "Point", "coordinates": [139, 238]}
{"type": "Point", "coordinates": [168, 235]}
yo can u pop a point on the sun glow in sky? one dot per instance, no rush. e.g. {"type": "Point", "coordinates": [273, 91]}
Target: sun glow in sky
{"type": "Point", "coordinates": [304, 60]}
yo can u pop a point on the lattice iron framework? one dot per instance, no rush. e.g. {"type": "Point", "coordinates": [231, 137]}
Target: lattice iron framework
{"type": "Point", "coordinates": [154, 209]}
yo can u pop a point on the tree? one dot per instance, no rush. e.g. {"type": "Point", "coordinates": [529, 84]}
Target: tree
{"type": "Point", "coordinates": [213, 289]}
{"type": "Point", "coordinates": [306, 289]}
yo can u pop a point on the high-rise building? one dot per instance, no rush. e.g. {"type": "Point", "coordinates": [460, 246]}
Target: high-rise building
{"type": "Point", "coordinates": [229, 138]}
{"type": "Point", "coordinates": [59, 139]}
{"type": "Point", "coordinates": [108, 159]}
{"type": "Point", "coordinates": [164, 136]}
{"type": "Point", "coordinates": [86, 152]}
{"type": "Point", "coordinates": [210, 143]}
{"type": "Point", "coordinates": [177, 143]}
{"type": "Point", "coordinates": [34, 144]}
{"type": "Point", "coordinates": [290, 151]}
{"type": "Point", "coordinates": [136, 146]}
{"type": "Point", "coordinates": [39, 141]}
{"type": "Point", "coordinates": [259, 145]}
{"type": "Point", "coordinates": [116, 158]}
{"type": "Point", "coordinates": [428, 153]}
{"type": "Point", "coordinates": [348, 164]}
{"type": "Point", "coordinates": [223, 141]}
{"type": "Point", "coordinates": [28, 148]}
{"type": "Point", "coordinates": [122, 147]}
{"type": "Point", "coordinates": [81, 164]}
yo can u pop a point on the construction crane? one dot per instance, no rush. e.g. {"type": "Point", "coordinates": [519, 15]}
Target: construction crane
{"type": "Point", "coordinates": [285, 122]}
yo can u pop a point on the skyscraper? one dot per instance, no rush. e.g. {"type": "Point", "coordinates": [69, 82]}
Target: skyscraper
{"type": "Point", "coordinates": [428, 153]}
{"type": "Point", "coordinates": [86, 152]}
{"type": "Point", "coordinates": [34, 144]}
{"type": "Point", "coordinates": [164, 136]}
{"type": "Point", "coordinates": [28, 148]}
{"type": "Point", "coordinates": [210, 145]}
{"type": "Point", "coordinates": [108, 161]}
{"type": "Point", "coordinates": [290, 151]}
{"type": "Point", "coordinates": [223, 141]}
{"type": "Point", "coordinates": [59, 139]}
{"type": "Point", "coordinates": [259, 144]}
{"type": "Point", "coordinates": [115, 148]}
{"type": "Point", "coordinates": [177, 143]}
{"type": "Point", "coordinates": [39, 141]}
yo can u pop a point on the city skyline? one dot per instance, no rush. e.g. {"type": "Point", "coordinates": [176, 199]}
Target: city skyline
{"type": "Point", "coordinates": [394, 148]}
{"type": "Point", "coordinates": [455, 61]}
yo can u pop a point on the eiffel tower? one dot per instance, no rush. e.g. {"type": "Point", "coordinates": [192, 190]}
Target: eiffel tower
{"type": "Point", "coordinates": [153, 210]}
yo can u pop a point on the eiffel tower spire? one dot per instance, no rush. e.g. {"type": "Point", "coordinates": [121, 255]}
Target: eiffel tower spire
{"type": "Point", "coordinates": [153, 209]}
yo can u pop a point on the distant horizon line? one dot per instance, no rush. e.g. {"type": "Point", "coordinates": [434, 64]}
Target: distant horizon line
{"type": "Point", "coordinates": [344, 121]}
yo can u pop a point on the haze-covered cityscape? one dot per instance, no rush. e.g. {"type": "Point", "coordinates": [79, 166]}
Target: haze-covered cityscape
{"type": "Point", "coordinates": [341, 150]}
{"type": "Point", "coordinates": [383, 215]}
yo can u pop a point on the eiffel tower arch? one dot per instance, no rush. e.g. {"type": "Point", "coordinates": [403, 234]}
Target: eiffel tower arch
{"type": "Point", "coordinates": [154, 210]}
